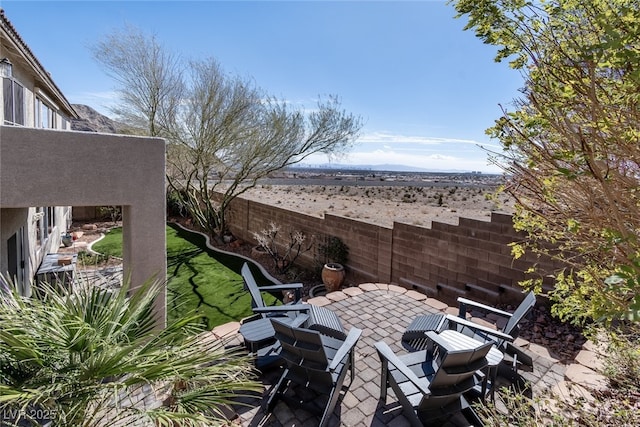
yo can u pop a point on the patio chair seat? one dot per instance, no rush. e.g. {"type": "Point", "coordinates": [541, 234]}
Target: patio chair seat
{"type": "Point", "coordinates": [315, 362]}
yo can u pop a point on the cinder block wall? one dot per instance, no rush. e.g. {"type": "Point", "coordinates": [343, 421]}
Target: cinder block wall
{"type": "Point", "coordinates": [471, 259]}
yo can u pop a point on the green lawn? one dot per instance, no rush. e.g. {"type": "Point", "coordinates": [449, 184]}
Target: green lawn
{"type": "Point", "coordinates": [111, 244]}
{"type": "Point", "coordinates": [196, 280]}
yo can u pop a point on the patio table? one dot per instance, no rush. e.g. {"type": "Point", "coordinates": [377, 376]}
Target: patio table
{"type": "Point", "coordinates": [257, 334]}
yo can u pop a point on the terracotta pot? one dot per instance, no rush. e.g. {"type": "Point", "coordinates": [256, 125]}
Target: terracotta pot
{"type": "Point", "coordinates": [332, 276]}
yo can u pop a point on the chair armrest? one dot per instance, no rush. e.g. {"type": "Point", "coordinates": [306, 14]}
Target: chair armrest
{"type": "Point", "coordinates": [476, 327]}
{"type": "Point", "coordinates": [251, 318]}
{"type": "Point", "coordinates": [345, 348]}
{"type": "Point", "coordinates": [282, 308]}
{"type": "Point", "coordinates": [463, 302]}
{"type": "Point", "coordinates": [387, 354]}
{"type": "Point", "coordinates": [437, 339]}
{"type": "Point", "coordinates": [298, 321]}
{"type": "Point", "coordinates": [284, 287]}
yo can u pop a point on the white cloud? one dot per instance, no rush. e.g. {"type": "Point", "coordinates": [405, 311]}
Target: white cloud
{"type": "Point", "coordinates": [390, 138]}
{"type": "Point", "coordinates": [433, 161]}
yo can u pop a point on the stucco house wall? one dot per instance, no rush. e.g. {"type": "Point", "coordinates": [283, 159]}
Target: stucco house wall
{"type": "Point", "coordinates": [29, 98]}
{"type": "Point", "coordinates": [106, 170]}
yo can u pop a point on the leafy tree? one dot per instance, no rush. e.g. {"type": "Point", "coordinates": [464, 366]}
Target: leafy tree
{"type": "Point", "coordinates": [571, 144]}
{"type": "Point", "coordinates": [94, 358]}
{"type": "Point", "coordinates": [224, 132]}
{"type": "Point", "coordinates": [149, 78]}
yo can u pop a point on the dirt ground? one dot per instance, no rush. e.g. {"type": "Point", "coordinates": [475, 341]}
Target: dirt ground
{"type": "Point", "coordinates": [382, 205]}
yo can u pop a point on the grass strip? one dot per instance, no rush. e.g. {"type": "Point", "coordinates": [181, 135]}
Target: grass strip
{"type": "Point", "coordinates": [197, 278]}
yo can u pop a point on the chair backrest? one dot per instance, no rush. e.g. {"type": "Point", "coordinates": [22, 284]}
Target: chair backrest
{"type": "Point", "coordinates": [252, 286]}
{"type": "Point", "coordinates": [454, 375]}
{"type": "Point", "coordinates": [453, 367]}
{"type": "Point", "coordinates": [304, 353]}
{"type": "Point", "coordinates": [523, 309]}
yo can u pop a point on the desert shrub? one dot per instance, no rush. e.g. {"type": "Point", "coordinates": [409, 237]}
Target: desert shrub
{"type": "Point", "coordinates": [618, 405]}
{"type": "Point", "coordinates": [285, 252]}
{"type": "Point", "coordinates": [331, 249]}
{"type": "Point", "coordinates": [87, 259]}
{"type": "Point", "coordinates": [113, 213]}
{"type": "Point", "coordinates": [622, 365]}
{"type": "Point", "coordinates": [175, 205]}
{"type": "Point", "coordinates": [408, 198]}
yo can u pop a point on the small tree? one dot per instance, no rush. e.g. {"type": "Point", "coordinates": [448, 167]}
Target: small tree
{"type": "Point", "coordinates": [149, 78]}
{"type": "Point", "coordinates": [571, 145]}
{"type": "Point", "coordinates": [224, 132]}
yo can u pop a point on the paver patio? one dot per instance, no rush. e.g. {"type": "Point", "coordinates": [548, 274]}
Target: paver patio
{"type": "Point", "coordinates": [382, 312]}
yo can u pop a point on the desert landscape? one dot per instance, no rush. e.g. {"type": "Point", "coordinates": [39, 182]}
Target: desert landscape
{"type": "Point", "coordinates": [408, 199]}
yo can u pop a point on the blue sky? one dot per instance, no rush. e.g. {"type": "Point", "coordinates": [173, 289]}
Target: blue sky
{"type": "Point", "coordinates": [426, 89]}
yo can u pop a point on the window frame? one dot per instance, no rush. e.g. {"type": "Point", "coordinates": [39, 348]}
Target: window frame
{"type": "Point", "coordinates": [15, 114]}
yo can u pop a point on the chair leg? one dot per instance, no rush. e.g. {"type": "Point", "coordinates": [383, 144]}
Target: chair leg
{"type": "Point", "coordinates": [384, 382]}
{"type": "Point", "coordinates": [331, 404]}
{"type": "Point", "coordinates": [352, 368]}
{"type": "Point", "coordinates": [275, 392]}
{"type": "Point", "coordinates": [470, 414]}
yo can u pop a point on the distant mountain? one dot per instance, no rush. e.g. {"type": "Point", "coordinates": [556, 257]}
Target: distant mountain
{"type": "Point", "coordinates": [377, 168]}
{"type": "Point", "coordinates": [92, 121]}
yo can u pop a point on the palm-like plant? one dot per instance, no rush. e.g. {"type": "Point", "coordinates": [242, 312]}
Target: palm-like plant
{"type": "Point", "coordinates": [95, 357]}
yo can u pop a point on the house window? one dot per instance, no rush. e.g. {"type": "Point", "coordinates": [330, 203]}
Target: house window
{"type": "Point", "coordinates": [41, 232]}
{"type": "Point", "coordinates": [50, 218]}
{"type": "Point", "coordinates": [45, 115]}
{"type": "Point", "coordinates": [13, 95]}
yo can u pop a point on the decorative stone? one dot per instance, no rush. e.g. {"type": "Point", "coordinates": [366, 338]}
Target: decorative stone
{"type": "Point", "coordinates": [438, 305]}
{"type": "Point", "coordinates": [226, 329]}
{"type": "Point", "coordinates": [319, 301]}
{"type": "Point", "coordinates": [589, 359]}
{"type": "Point", "coordinates": [418, 296]}
{"type": "Point", "coordinates": [398, 289]}
{"type": "Point", "coordinates": [368, 287]}
{"type": "Point", "coordinates": [586, 377]}
{"type": "Point", "coordinates": [353, 291]}
{"type": "Point", "coordinates": [337, 296]}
